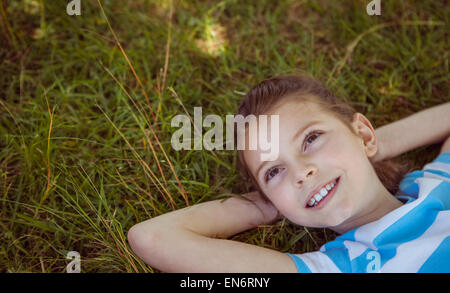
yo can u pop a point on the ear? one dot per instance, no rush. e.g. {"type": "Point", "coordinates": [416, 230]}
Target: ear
{"type": "Point", "coordinates": [364, 130]}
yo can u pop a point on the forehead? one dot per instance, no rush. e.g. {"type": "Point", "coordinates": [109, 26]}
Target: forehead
{"type": "Point", "coordinates": [303, 109]}
{"type": "Point", "coordinates": [294, 115]}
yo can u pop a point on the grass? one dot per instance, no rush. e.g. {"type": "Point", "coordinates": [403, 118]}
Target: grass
{"type": "Point", "coordinates": [85, 122]}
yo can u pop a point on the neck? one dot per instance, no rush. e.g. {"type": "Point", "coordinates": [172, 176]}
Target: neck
{"type": "Point", "coordinates": [381, 205]}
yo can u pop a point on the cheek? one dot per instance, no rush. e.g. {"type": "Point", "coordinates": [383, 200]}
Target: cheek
{"type": "Point", "coordinates": [339, 148]}
{"type": "Point", "coordinates": [357, 168]}
{"type": "Point", "coordinates": [346, 158]}
{"type": "Point", "coordinates": [285, 200]}
{"type": "Point", "coordinates": [290, 204]}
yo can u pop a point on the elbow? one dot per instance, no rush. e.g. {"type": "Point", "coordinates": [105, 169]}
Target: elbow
{"type": "Point", "coordinates": [143, 241]}
{"type": "Point", "coordinates": [154, 246]}
{"type": "Point", "coordinates": [134, 237]}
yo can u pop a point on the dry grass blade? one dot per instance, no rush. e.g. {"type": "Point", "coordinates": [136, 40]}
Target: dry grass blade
{"type": "Point", "coordinates": [196, 130]}
{"type": "Point", "coordinates": [128, 60]}
{"type": "Point", "coordinates": [182, 190]}
{"type": "Point", "coordinates": [161, 87]}
{"type": "Point", "coordinates": [140, 112]}
{"type": "Point", "coordinates": [144, 164]}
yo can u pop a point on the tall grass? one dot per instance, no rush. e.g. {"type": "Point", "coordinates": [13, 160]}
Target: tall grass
{"type": "Point", "coordinates": [86, 103]}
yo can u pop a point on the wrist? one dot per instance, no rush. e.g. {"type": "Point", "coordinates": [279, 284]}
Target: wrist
{"type": "Point", "coordinates": [268, 212]}
{"type": "Point", "coordinates": [382, 147]}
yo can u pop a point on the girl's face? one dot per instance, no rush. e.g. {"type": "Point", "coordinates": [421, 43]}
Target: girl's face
{"type": "Point", "coordinates": [316, 149]}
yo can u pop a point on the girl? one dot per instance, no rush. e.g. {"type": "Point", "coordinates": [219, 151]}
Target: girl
{"type": "Point", "coordinates": [329, 173]}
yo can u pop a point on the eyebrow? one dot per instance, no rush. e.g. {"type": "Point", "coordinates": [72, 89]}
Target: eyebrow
{"type": "Point", "coordinates": [301, 130]}
{"type": "Point", "coordinates": [297, 134]}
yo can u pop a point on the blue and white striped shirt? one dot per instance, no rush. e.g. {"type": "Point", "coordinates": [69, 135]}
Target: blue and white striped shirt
{"type": "Point", "coordinates": [412, 238]}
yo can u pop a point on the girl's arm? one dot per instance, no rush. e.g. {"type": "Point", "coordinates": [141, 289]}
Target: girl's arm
{"type": "Point", "coordinates": [422, 128]}
{"type": "Point", "coordinates": [445, 146]}
{"type": "Point", "coordinates": [185, 240]}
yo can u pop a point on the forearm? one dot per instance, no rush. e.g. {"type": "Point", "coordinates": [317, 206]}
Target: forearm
{"type": "Point", "coordinates": [218, 218]}
{"type": "Point", "coordinates": [425, 127]}
{"type": "Point", "coordinates": [185, 240]}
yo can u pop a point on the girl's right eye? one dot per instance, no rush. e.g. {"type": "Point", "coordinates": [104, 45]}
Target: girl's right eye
{"type": "Point", "coordinates": [272, 172]}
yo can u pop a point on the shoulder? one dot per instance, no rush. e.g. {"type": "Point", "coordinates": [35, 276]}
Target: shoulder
{"type": "Point", "coordinates": [430, 176]}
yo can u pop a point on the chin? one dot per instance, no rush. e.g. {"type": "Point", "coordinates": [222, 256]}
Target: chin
{"type": "Point", "coordinates": [338, 218]}
{"type": "Point", "coordinates": [328, 221]}
{"type": "Point", "coordinates": [336, 221]}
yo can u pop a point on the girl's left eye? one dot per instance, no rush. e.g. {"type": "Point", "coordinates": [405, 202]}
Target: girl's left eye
{"type": "Point", "coordinates": [311, 135]}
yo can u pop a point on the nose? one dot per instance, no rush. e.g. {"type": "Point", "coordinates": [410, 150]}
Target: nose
{"type": "Point", "coordinates": [304, 174]}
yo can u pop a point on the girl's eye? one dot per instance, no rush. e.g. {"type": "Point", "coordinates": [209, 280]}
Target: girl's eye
{"type": "Point", "coordinates": [271, 173]}
{"type": "Point", "coordinates": [311, 137]}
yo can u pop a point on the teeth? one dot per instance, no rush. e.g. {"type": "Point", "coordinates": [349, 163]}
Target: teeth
{"type": "Point", "coordinates": [321, 195]}
{"type": "Point", "coordinates": [318, 197]}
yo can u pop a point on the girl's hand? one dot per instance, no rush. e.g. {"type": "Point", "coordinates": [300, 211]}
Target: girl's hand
{"type": "Point", "coordinates": [194, 239]}
{"type": "Point", "coordinates": [269, 212]}
{"type": "Point", "coordinates": [382, 149]}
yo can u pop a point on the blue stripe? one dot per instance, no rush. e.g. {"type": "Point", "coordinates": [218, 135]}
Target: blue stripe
{"type": "Point", "coordinates": [443, 158]}
{"type": "Point", "coordinates": [402, 231]}
{"type": "Point", "coordinates": [349, 235]}
{"type": "Point", "coordinates": [338, 252]}
{"type": "Point", "coordinates": [407, 184]}
{"type": "Point", "coordinates": [340, 258]}
{"type": "Point", "coordinates": [301, 266]}
{"type": "Point", "coordinates": [359, 264]}
{"type": "Point", "coordinates": [439, 172]}
{"type": "Point", "coordinates": [438, 262]}
{"type": "Point", "coordinates": [422, 215]}
{"type": "Point", "coordinates": [441, 195]}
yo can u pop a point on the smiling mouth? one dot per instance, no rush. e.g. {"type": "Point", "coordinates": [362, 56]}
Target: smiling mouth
{"type": "Point", "coordinates": [320, 198]}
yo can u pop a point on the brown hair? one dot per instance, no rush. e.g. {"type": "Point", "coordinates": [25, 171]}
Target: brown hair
{"type": "Point", "coordinates": [272, 91]}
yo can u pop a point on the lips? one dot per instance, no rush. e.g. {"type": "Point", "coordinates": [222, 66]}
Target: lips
{"type": "Point", "coordinates": [317, 190]}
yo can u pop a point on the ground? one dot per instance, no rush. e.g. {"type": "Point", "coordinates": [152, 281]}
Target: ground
{"type": "Point", "coordinates": [86, 103]}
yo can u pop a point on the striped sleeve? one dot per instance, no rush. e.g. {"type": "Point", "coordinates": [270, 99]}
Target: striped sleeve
{"type": "Point", "coordinates": [439, 168]}
{"type": "Point", "coordinates": [300, 264]}
{"type": "Point", "coordinates": [316, 262]}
